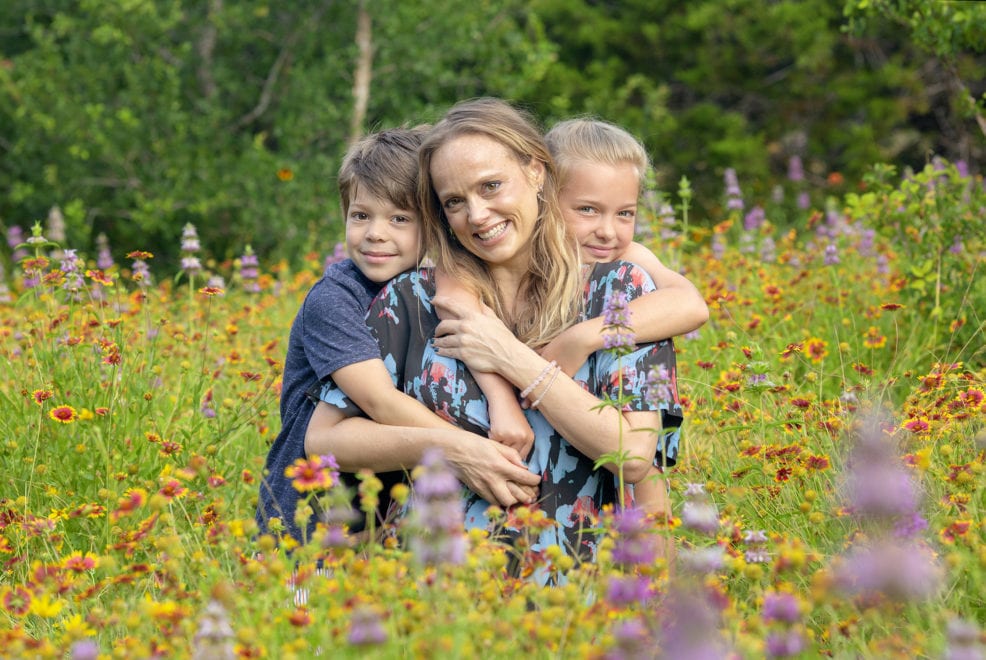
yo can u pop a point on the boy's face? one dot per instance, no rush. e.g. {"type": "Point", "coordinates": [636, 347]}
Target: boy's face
{"type": "Point", "coordinates": [381, 239]}
{"type": "Point", "coordinates": [599, 203]}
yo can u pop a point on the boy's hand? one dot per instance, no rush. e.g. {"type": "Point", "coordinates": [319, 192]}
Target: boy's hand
{"type": "Point", "coordinates": [509, 427]}
{"type": "Point", "coordinates": [569, 349]}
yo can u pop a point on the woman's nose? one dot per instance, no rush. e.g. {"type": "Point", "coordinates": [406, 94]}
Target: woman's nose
{"type": "Point", "coordinates": [478, 211]}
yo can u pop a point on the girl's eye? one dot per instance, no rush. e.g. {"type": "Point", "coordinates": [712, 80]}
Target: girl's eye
{"type": "Point", "coordinates": [587, 210]}
{"type": "Point", "coordinates": [628, 215]}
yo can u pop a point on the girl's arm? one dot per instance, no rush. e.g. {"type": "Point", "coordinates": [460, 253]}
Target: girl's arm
{"type": "Point", "coordinates": [484, 343]}
{"type": "Point", "coordinates": [675, 308]}
{"type": "Point", "coordinates": [493, 471]}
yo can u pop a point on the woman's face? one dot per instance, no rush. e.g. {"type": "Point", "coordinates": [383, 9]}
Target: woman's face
{"type": "Point", "coordinates": [489, 198]}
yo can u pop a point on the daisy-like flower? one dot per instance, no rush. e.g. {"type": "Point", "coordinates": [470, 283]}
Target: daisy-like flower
{"type": "Point", "coordinates": [211, 291]}
{"type": "Point", "coordinates": [63, 414]}
{"type": "Point", "coordinates": [873, 339]}
{"type": "Point", "coordinates": [313, 474]}
{"type": "Point", "coordinates": [40, 396]}
{"type": "Point", "coordinates": [100, 277]}
{"type": "Point", "coordinates": [816, 349]}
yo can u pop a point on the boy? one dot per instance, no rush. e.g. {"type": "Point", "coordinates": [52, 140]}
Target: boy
{"type": "Point", "coordinates": [329, 338]}
{"type": "Point", "coordinates": [601, 168]}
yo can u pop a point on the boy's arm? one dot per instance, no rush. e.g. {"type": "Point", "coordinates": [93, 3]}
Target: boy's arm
{"type": "Point", "coordinates": [507, 422]}
{"type": "Point", "coordinates": [675, 308]}
{"type": "Point", "coordinates": [369, 386]}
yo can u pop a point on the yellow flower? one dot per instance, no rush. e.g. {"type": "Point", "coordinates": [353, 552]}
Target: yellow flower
{"type": "Point", "coordinates": [75, 628]}
{"type": "Point", "coordinates": [45, 607]}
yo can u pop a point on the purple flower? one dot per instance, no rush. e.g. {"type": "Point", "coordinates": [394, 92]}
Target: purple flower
{"type": "Point", "coordinates": [901, 571]}
{"type": "Point", "coordinates": [632, 640]}
{"type": "Point", "coordinates": [141, 273]}
{"type": "Point", "coordinates": [437, 522]}
{"type": "Point", "coordinates": [795, 171]}
{"type": "Point", "coordinates": [626, 590]}
{"type": "Point", "coordinates": [734, 197]}
{"type": "Point", "coordinates": [366, 628]}
{"type": "Point", "coordinates": [658, 386]}
{"type": "Point", "coordinates": [690, 627]}
{"type": "Point", "coordinates": [338, 254]}
{"type": "Point", "coordinates": [702, 561]}
{"type": "Point", "coordinates": [636, 545]}
{"type": "Point", "coordinates": [104, 259]}
{"type": "Point", "coordinates": [191, 265]}
{"type": "Point", "coordinates": [831, 255]}
{"type": "Point", "coordinates": [781, 606]}
{"type": "Point", "coordinates": [963, 641]}
{"type": "Point", "coordinates": [754, 219]}
{"type": "Point", "coordinates": [804, 200]}
{"type": "Point", "coordinates": [699, 513]}
{"type": "Point", "coordinates": [190, 239]}
{"type": "Point", "coordinates": [617, 333]}
{"type": "Point", "coordinates": [785, 644]}
{"type": "Point", "coordinates": [249, 271]}
{"type": "Point", "coordinates": [85, 649]}
{"type": "Point", "coordinates": [718, 246]}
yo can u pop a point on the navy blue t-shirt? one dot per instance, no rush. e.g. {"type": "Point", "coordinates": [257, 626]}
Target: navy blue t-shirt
{"type": "Point", "coordinates": [328, 333]}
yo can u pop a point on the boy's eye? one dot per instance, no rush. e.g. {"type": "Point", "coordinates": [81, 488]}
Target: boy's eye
{"type": "Point", "coordinates": [358, 215]}
{"type": "Point", "coordinates": [400, 219]}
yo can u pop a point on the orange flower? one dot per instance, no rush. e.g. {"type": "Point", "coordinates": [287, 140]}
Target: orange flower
{"type": "Point", "coordinates": [815, 348]}
{"type": "Point", "coordinates": [79, 563]}
{"type": "Point", "coordinates": [891, 307]}
{"type": "Point", "coordinates": [284, 174]}
{"type": "Point", "coordinates": [139, 254]}
{"type": "Point", "coordinates": [212, 291]}
{"type": "Point", "coordinates": [40, 396]}
{"type": "Point", "coordinates": [873, 339]}
{"type": "Point", "coordinates": [835, 179]}
{"type": "Point", "coordinates": [311, 474]}
{"type": "Point", "coordinates": [918, 425]}
{"type": "Point", "coordinates": [63, 414]}
{"type": "Point", "coordinates": [132, 500]}
{"type": "Point", "coordinates": [99, 277]}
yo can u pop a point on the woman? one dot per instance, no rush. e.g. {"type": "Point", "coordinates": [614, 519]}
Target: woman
{"type": "Point", "coordinates": [489, 204]}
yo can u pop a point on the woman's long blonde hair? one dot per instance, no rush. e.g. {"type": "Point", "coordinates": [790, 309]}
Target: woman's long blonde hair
{"type": "Point", "coordinates": [552, 288]}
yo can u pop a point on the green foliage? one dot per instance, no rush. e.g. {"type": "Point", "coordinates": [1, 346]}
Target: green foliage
{"type": "Point", "coordinates": [137, 117]}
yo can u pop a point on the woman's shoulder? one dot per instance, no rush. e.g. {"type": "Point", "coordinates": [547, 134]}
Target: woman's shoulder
{"type": "Point", "coordinates": [418, 284]}
{"type": "Point", "coordinates": [626, 273]}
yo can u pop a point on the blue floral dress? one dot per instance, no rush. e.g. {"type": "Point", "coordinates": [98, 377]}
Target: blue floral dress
{"type": "Point", "coordinates": [572, 492]}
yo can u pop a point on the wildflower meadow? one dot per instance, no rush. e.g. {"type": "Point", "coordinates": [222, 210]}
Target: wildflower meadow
{"type": "Point", "coordinates": [828, 501]}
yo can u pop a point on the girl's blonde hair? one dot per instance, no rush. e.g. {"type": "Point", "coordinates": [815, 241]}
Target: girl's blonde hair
{"type": "Point", "coordinates": [552, 288]}
{"type": "Point", "coordinates": [594, 141]}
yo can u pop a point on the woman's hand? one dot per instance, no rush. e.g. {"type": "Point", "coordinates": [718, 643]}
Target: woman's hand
{"type": "Point", "coordinates": [493, 471]}
{"type": "Point", "coordinates": [478, 338]}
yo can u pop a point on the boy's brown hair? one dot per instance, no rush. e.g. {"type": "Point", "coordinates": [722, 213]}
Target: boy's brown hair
{"type": "Point", "coordinates": [386, 163]}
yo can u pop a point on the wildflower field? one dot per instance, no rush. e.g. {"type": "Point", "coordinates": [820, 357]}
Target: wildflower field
{"type": "Point", "coordinates": [829, 499]}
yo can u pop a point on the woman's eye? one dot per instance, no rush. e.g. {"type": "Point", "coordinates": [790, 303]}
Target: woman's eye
{"type": "Point", "coordinates": [491, 186]}
{"type": "Point", "coordinates": [452, 203]}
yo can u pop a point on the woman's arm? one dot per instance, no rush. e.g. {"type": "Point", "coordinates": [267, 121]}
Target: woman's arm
{"type": "Point", "coordinates": [484, 343]}
{"type": "Point", "coordinates": [493, 471]}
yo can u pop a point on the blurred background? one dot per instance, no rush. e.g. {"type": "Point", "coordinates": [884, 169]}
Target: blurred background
{"type": "Point", "coordinates": [136, 117]}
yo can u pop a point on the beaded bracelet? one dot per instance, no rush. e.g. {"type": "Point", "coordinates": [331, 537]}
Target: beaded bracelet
{"type": "Point", "coordinates": [537, 381]}
{"type": "Point", "coordinates": [547, 387]}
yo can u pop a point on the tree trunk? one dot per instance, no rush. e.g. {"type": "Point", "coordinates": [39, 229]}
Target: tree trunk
{"type": "Point", "coordinates": [363, 74]}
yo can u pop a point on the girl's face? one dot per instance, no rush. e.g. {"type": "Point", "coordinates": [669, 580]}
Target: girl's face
{"type": "Point", "coordinates": [488, 197]}
{"type": "Point", "coordinates": [599, 204]}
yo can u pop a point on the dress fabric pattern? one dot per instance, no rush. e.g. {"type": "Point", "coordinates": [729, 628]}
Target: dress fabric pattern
{"type": "Point", "coordinates": [572, 492]}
